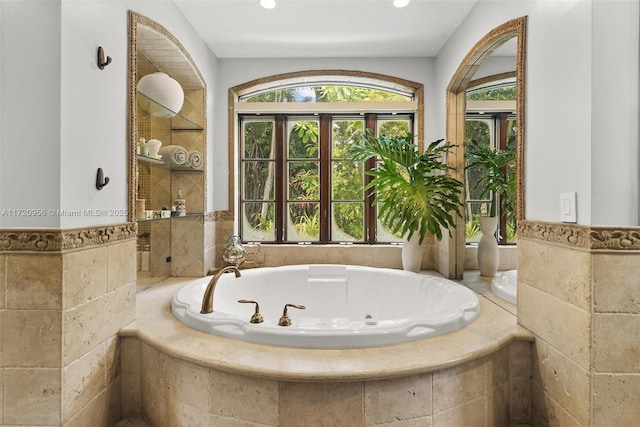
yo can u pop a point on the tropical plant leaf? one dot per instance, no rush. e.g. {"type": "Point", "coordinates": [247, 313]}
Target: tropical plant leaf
{"type": "Point", "coordinates": [413, 191]}
{"type": "Point", "coordinates": [499, 177]}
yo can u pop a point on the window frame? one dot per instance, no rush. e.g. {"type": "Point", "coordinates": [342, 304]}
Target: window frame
{"type": "Point", "coordinates": [325, 160]}
{"type": "Point", "coordinates": [499, 133]}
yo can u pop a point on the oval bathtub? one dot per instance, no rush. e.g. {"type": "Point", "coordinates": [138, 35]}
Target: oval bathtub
{"type": "Point", "coordinates": [345, 306]}
{"type": "Point", "coordinates": [506, 286]}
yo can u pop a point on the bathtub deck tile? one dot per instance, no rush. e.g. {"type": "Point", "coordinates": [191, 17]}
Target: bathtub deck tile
{"type": "Point", "coordinates": [490, 331]}
{"type": "Point", "coordinates": [310, 387]}
{"type": "Point", "coordinates": [414, 422]}
{"type": "Point", "coordinates": [469, 414]}
{"type": "Point", "coordinates": [231, 393]}
{"type": "Point", "coordinates": [458, 385]}
{"type": "Point", "coordinates": [327, 404]}
{"type": "Point", "coordinates": [398, 399]}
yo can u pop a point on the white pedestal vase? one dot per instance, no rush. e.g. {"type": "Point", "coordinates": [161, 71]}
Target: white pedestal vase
{"type": "Point", "coordinates": [412, 254]}
{"type": "Point", "coordinates": [488, 246]}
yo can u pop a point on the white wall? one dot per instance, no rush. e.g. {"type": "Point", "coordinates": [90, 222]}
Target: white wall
{"type": "Point", "coordinates": [30, 112]}
{"type": "Point", "coordinates": [567, 89]}
{"type": "Point", "coordinates": [62, 117]}
{"type": "Point", "coordinates": [94, 102]}
{"type": "Point", "coordinates": [0, 115]}
{"type": "Point", "coordinates": [614, 121]}
{"type": "Point", "coordinates": [232, 72]}
{"type": "Point", "coordinates": [496, 65]}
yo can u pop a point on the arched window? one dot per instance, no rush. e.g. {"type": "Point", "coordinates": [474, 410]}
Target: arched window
{"type": "Point", "coordinates": [295, 184]}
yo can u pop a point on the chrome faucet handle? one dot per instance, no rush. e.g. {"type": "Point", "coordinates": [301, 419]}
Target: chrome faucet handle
{"type": "Point", "coordinates": [257, 317]}
{"type": "Point", "coordinates": [285, 320]}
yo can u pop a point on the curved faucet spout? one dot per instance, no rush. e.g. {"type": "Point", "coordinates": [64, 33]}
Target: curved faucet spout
{"type": "Point", "coordinates": [207, 299]}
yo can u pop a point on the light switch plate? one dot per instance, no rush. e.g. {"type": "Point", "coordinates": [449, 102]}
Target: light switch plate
{"type": "Point", "coordinates": [568, 207]}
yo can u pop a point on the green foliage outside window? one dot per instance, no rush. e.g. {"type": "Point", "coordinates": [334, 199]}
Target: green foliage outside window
{"type": "Point", "coordinates": [258, 175]}
{"type": "Point", "coordinates": [302, 171]}
{"type": "Point", "coordinates": [327, 93]}
{"type": "Point", "coordinates": [504, 93]}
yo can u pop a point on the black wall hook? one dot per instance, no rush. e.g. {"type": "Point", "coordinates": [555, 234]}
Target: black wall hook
{"type": "Point", "coordinates": [101, 180]}
{"type": "Point", "coordinates": [101, 61]}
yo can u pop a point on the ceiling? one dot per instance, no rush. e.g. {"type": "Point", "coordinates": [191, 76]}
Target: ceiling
{"type": "Point", "coordinates": [325, 28]}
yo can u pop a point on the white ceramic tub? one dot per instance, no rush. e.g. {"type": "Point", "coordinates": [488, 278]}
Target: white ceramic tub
{"type": "Point", "coordinates": [346, 306]}
{"type": "Point", "coordinates": [506, 286]}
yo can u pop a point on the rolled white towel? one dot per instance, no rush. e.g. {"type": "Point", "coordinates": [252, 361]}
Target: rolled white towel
{"type": "Point", "coordinates": [174, 154]}
{"type": "Point", "coordinates": [194, 159]}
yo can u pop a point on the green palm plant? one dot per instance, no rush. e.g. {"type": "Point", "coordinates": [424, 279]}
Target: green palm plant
{"type": "Point", "coordinates": [472, 228]}
{"type": "Point", "coordinates": [498, 179]}
{"type": "Point", "coordinates": [413, 191]}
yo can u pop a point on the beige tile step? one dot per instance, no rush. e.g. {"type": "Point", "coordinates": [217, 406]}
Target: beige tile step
{"type": "Point", "coordinates": [131, 422]}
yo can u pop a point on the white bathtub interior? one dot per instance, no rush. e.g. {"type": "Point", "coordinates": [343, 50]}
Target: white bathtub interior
{"type": "Point", "coordinates": [505, 286]}
{"type": "Point", "coordinates": [345, 306]}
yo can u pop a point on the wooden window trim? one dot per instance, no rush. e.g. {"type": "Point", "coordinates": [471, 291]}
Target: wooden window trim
{"type": "Point", "coordinates": [325, 161]}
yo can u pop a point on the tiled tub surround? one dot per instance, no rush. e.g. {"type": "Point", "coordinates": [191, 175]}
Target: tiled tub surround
{"type": "Point", "coordinates": [275, 255]}
{"type": "Point", "coordinates": [173, 375]}
{"type": "Point", "coordinates": [507, 257]}
{"type": "Point", "coordinates": [385, 256]}
{"type": "Point", "coordinates": [579, 293]}
{"type": "Point", "coordinates": [64, 294]}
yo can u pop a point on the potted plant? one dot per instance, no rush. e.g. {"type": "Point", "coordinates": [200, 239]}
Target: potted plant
{"type": "Point", "coordinates": [498, 182]}
{"type": "Point", "coordinates": [413, 191]}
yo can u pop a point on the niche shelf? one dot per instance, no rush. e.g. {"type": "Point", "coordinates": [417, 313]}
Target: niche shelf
{"type": "Point", "coordinates": [161, 163]}
{"type": "Point", "coordinates": [152, 108]}
{"type": "Point", "coordinates": [192, 215]}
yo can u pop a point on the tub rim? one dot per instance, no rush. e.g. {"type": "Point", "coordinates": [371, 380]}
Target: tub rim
{"type": "Point", "coordinates": [390, 332]}
{"type": "Point", "coordinates": [156, 326]}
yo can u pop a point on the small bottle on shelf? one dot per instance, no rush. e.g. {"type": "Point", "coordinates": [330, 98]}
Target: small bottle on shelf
{"type": "Point", "coordinates": [142, 149]}
{"type": "Point", "coordinates": [180, 203]}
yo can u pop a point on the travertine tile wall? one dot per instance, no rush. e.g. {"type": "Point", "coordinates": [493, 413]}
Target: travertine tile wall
{"type": "Point", "coordinates": [490, 391]}
{"type": "Point", "coordinates": [223, 226]}
{"type": "Point", "coordinates": [579, 293]}
{"type": "Point", "coordinates": [188, 247]}
{"type": "Point", "coordinates": [160, 238]}
{"type": "Point", "coordinates": [181, 239]}
{"type": "Point", "coordinates": [31, 344]}
{"type": "Point", "coordinates": [60, 312]}
{"type": "Point", "coordinates": [507, 258]}
{"type": "Point", "coordinates": [384, 256]}
{"type": "Point", "coordinates": [616, 338]}
{"type": "Point", "coordinates": [209, 243]}
{"type": "Point", "coordinates": [554, 303]}
{"type": "Point", "coordinates": [3, 259]}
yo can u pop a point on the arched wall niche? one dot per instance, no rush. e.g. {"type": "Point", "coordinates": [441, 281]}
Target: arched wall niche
{"type": "Point", "coordinates": [161, 48]}
{"type": "Point", "coordinates": [452, 249]}
{"type": "Point", "coordinates": [152, 48]}
{"type": "Point", "coordinates": [310, 77]}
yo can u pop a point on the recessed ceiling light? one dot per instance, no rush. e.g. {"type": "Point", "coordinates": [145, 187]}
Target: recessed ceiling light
{"type": "Point", "coordinates": [400, 3]}
{"type": "Point", "coordinates": [268, 4]}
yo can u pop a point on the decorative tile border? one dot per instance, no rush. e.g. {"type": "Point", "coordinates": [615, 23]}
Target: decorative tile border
{"type": "Point", "coordinates": [220, 216]}
{"type": "Point", "coordinates": [54, 240]}
{"type": "Point", "coordinates": [582, 236]}
{"type": "Point", "coordinates": [30, 240]}
{"type": "Point", "coordinates": [616, 239]}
